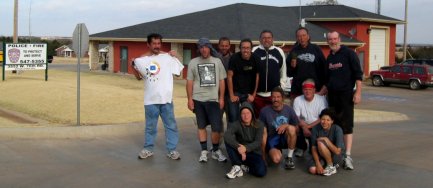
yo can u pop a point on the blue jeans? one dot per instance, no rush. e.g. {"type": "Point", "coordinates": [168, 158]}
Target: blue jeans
{"type": "Point", "coordinates": [254, 161]}
{"type": "Point", "coordinates": [233, 107]}
{"type": "Point", "coordinates": [152, 113]}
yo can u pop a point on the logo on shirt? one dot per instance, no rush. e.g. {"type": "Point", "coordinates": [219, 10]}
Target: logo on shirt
{"type": "Point", "coordinates": [307, 57]}
{"type": "Point", "coordinates": [335, 66]}
{"type": "Point", "coordinates": [154, 68]}
{"type": "Point", "coordinates": [280, 120]}
{"type": "Point", "coordinates": [270, 57]}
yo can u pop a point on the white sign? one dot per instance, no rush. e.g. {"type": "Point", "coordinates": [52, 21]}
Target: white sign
{"type": "Point", "coordinates": [25, 56]}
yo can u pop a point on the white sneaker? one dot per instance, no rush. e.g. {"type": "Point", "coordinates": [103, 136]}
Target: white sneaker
{"type": "Point", "coordinates": [236, 171]}
{"type": "Point", "coordinates": [348, 163]}
{"type": "Point", "coordinates": [144, 153]}
{"type": "Point", "coordinates": [299, 153]}
{"type": "Point", "coordinates": [329, 170]}
{"type": "Point", "coordinates": [173, 155]}
{"type": "Point", "coordinates": [203, 156]}
{"type": "Point", "coordinates": [245, 168]}
{"type": "Point", "coordinates": [218, 155]}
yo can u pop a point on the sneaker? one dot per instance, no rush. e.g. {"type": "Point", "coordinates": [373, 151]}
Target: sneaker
{"type": "Point", "coordinates": [299, 153]}
{"type": "Point", "coordinates": [144, 153]}
{"type": "Point", "coordinates": [329, 170]}
{"type": "Point", "coordinates": [203, 156]}
{"type": "Point", "coordinates": [173, 155]}
{"type": "Point", "coordinates": [289, 163]}
{"type": "Point", "coordinates": [348, 163]}
{"type": "Point", "coordinates": [218, 155]}
{"type": "Point", "coordinates": [245, 168]}
{"type": "Point", "coordinates": [236, 171]}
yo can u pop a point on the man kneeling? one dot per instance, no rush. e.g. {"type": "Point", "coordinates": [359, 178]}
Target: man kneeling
{"type": "Point", "coordinates": [243, 140]}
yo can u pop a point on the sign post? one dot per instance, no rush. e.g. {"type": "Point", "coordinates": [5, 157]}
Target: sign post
{"type": "Point", "coordinates": [80, 44]}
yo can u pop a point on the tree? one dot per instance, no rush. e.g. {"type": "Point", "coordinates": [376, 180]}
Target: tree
{"type": "Point", "coordinates": [324, 2]}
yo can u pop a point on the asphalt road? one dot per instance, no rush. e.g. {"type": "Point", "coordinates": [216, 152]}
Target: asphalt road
{"type": "Point", "coordinates": [386, 154]}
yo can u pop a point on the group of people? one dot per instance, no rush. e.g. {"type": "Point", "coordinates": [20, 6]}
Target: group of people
{"type": "Point", "coordinates": [246, 86]}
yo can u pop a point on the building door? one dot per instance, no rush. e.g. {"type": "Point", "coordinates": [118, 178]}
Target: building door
{"type": "Point", "coordinates": [124, 59]}
{"type": "Point", "coordinates": [378, 46]}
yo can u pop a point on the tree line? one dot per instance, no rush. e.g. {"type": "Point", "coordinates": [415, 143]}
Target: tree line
{"type": "Point", "coordinates": [52, 45]}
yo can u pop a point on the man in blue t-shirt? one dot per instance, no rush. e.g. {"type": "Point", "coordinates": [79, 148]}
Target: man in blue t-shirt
{"type": "Point", "coordinates": [280, 129]}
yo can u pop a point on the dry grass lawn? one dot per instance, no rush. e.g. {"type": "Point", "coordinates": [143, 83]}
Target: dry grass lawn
{"type": "Point", "coordinates": [105, 98]}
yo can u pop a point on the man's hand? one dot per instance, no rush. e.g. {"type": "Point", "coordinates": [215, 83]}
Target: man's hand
{"type": "Point", "coordinates": [234, 98]}
{"type": "Point", "coordinates": [282, 128]}
{"type": "Point", "coordinates": [243, 151]}
{"type": "Point", "coordinates": [307, 132]}
{"type": "Point", "coordinates": [319, 168]}
{"type": "Point", "coordinates": [250, 98]}
{"type": "Point", "coordinates": [172, 53]}
{"type": "Point", "coordinates": [191, 105]}
{"type": "Point", "coordinates": [357, 98]}
{"type": "Point", "coordinates": [221, 102]}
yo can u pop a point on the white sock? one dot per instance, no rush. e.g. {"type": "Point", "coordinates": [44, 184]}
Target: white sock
{"type": "Point", "coordinates": [290, 152]}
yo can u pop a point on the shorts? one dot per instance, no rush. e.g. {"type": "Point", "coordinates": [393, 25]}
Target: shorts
{"type": "Point", "coordinates": [208, 113]}
{"type": "Point", "coordinates": [342, 103]}
{"type": "Point", "coordinates": [277, 141]}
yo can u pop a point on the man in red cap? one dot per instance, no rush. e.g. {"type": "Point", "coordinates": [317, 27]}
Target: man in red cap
{"type": "Point", "coordinates": [307, 107]}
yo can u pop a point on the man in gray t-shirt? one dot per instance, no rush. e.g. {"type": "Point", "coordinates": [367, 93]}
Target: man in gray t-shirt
{"type": "Point", "coordinates": [205, 90]}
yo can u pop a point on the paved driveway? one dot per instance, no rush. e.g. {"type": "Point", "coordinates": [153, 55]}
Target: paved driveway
{"type": "Point", "coordinates": [387, 154]}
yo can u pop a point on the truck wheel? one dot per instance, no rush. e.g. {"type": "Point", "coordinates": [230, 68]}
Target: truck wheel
{"type": "Point", "coordinates": [377, 81]}
{"type": "Point", "coordinates": [414, 84]}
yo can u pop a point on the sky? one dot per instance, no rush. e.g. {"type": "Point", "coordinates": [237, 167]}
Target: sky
{"type": "Point", "coordinates": [59, 17]}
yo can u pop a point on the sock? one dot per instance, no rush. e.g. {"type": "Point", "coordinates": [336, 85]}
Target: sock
{"type": "Point", "coordinates": [215, 147]}
{"type": "Point", "coordinates": [290, 153]}
{"type": "Point", "coordinates": [203, 145]}
{"type": "Point", "coordinates": [348, 153]}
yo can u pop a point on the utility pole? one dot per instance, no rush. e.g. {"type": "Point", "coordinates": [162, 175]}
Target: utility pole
{"type": "Point", "coordinates": [15, 38]}
{"type": "Point", "coordinates": [378, 7]}
{"type": "Point", "coordinates": [405, 32]}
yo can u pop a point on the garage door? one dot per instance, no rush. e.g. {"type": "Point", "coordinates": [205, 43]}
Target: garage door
{"type": "Point", "coordinates": [377, 49]}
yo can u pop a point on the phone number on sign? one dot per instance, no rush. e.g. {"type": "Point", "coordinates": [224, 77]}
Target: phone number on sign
{"type": "Point", "coordinates": [37, 61]}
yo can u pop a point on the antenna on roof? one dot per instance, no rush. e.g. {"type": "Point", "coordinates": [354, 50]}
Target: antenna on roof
{"type": "Point", "coordinates": [300, 13]}
{"type": "Point", "coordinates": [378, 6]}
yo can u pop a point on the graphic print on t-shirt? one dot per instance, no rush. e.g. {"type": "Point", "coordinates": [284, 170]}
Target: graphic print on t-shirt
{"type": "Point", "coordinates": [207, 75]}
{"type": "Point", "coordinates": [152, 71]}
{"type": "Point", "coordinates": [307, 57]}
{"type": "Point", "coordinates": [280, 120]}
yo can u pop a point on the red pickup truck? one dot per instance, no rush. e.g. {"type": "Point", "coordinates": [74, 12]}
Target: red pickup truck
{"type": "Point", "coordinates": [416, 76]}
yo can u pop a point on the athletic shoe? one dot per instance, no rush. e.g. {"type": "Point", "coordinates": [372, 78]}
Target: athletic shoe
{"type": "Point", "coordinates": [348, 163]}
{"type": "Point", "coordinates": [329, 170]}
{"type": "Point", "coordinates": [299, 153]}
{"type": "Point", "coordinates": [236, 171]}
{"type": "Point", "coordinates": [289, 163]}
{"type": "Point", "coordinates": [203, 156]}
{"type": "Point", "coordinates": [218, 155]}
{"type": "Point", "coordinates": [245, 168]}
{"type": "Point", "coordinates": [144, 153]}
{"type": "Point", "coordinates": [173, 155]}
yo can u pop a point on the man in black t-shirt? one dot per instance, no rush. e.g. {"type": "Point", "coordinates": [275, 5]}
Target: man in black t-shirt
{"type": "Point", "coordinates": [242, 79]}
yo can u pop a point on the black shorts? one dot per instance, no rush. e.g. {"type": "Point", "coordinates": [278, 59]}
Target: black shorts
{"type": "Point", "coordinates": [208, 113]}
{"type": "Point", "coordinates": [342, 103]}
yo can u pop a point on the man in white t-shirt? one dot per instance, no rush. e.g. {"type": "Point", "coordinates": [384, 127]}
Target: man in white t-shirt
{"type": "Point", "coordinates": [307, 107]}
{"type": "Point", "coordinates": [157, 70]}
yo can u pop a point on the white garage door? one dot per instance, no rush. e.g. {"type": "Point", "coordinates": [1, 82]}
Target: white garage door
{"type": "Point", "coordinates": [377, 49]}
